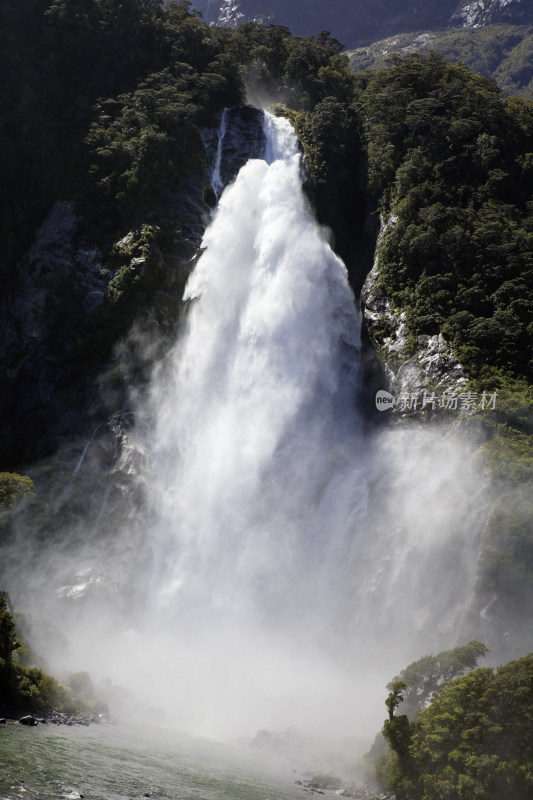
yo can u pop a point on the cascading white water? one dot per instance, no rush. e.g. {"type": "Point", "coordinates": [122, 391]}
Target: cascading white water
{"type": "Point", "coordinates": [253, 436]}
{"type": "Point", "coordinates": [298, 563]}
{"type": "Point", "coordinates": [251, 422]}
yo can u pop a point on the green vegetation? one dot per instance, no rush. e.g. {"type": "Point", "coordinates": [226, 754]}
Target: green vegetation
{"type": "Point", "coordinates": [502, 52]}
{"type": "Point", "coordinates": [108, 99]}
{"type": "Point", "coordinates": [13, 488]}
{"type": "Point", "coordinates": [474, 741]}
{"type": "Point", "coordinates": [103, 101]}
{"type": "Point", "coordinates": [450, 159]}
{"type": "Point", "coordinates": [101, 98]}
{"type": "Point", "coordinates": [24, 686]}
{"type": "Point", "coordinates": [423, 677]}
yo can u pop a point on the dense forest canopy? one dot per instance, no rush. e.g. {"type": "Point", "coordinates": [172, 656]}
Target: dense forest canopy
{"type": "Point", "coordinates": [451, 160]}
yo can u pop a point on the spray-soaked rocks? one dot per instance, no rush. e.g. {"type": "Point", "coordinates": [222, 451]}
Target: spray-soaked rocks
{"type": "Point", "coordinates": [328, 784]}
{"type": "Point", "coordinates": [60, 718]}
{"type": "Point", "coordinates": [366, 793]}
{"type": "Point", "coordinates": [319, 783]}
{"type": "Point", "coordinates": [28, 720]}
{"type": "Point", "coordinates": [407, 364]}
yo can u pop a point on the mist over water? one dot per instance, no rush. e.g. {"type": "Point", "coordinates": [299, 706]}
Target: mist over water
{"type": "Point", "coordinates": [293, 562]}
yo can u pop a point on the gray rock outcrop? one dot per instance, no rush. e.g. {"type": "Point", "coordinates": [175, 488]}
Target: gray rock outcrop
{"type": "Point", "coordinates": [487, 12]}
{"type": "Point", "coordinates": [29, 721]}
{"type": "Point", "coordinates": [63, 282]}
{"type": "Point", "coordinates": [60, 283]}
{"type": "Point", "coordinates": [423, 370]}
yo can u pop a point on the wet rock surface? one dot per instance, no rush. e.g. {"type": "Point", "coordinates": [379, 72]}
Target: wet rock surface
{"type": "Point", "coordinates": [28, 720]}
{"type": "Point", "coordinates": [243, 139]}
{"type": "Point", "coordinates": [52, 717]}
{"type": "Point", "coordinates": [412, 367]}
{"type": "Point", "coordinates": [329, 785]}
{"type": "Point", "coordinates": [63, 282]}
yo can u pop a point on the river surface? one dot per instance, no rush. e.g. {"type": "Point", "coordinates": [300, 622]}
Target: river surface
{"type": "Point", "coordinates": [116, 763]}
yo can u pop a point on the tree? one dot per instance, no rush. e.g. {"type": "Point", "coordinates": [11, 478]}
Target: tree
{"type": "Point", "coordinates": [475, 739]}
{"type": "Point", "coordinates": [422, 678]}
{"type": "Point", "coordinates": [8, 636]}
{"type": "Point", "coordinates": [397, 730]}
{"type": "Point", "coordinates": [415, 685]}
{"type": "Point", "coordinates": [13, 489]}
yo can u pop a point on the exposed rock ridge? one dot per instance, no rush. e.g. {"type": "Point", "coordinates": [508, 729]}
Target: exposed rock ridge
{"type": "Point", "coordinates": [413, 367]}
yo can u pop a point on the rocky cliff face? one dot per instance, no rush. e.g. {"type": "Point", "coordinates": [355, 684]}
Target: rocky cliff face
{"type": "Point", "coordinates": [61, 282]}
{"type": "Point", "coordinates": [66, 300]}
{"type": "Point", "coordinates": [242, 138]}
{"type": "Point", "coordinates": [421, 372]}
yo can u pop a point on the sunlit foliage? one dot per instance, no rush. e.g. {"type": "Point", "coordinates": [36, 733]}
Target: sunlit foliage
{"type": "Point", "coordinates": [474, 741]}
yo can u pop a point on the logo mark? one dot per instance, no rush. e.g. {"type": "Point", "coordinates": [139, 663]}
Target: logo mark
{"type": "Point", "coordinates": [384, 400]}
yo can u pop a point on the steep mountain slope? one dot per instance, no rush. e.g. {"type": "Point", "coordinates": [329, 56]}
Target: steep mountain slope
{"type": "Point", "coordinates": [106, 188]}
{"type": "Point", "coordinates": [502, 52]}
{"type": "Point", "coordinates": [364, 21]}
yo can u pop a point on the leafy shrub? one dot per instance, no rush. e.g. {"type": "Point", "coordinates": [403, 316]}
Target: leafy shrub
{"type": "Point", "coordinates": [13, 488]}
{"type": "Point", "coordinates": [473, 740]}
{"type": "Point", "coordinates": [27, 686]}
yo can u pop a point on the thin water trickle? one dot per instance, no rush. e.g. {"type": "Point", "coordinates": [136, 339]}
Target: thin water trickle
{"type": "Point", "coordinates": [101, 511]}
{"type": "Point", "coordinates": [216, 179]}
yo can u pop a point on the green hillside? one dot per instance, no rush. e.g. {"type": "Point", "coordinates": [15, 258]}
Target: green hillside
{"type": "Point", "coordinates": [502, 52]}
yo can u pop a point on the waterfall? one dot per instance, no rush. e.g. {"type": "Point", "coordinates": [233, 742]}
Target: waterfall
{"type": "Point", "coordinates": [254, 417]}
{"type": "Point", "coordinates": [296, 561]}
{"type": "Point", "coordinates": [252, 430]}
